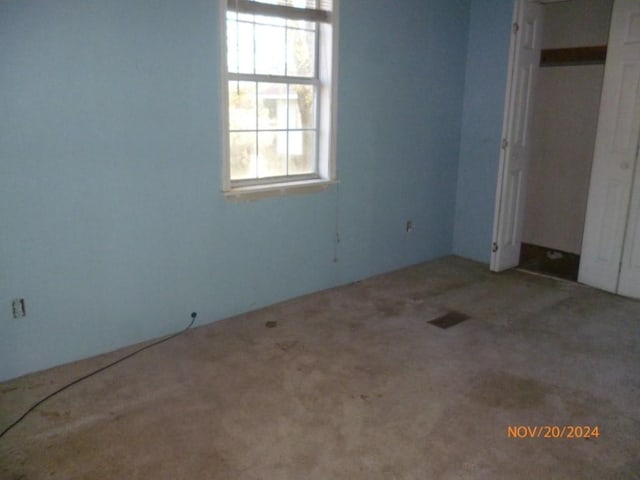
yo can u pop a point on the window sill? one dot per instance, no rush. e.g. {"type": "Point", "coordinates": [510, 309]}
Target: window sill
{"type": "Point", "coordinates": [258, 192]}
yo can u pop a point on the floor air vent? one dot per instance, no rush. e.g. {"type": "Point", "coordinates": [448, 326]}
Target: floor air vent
{"type": "Point", "coordinates": [449, 319]}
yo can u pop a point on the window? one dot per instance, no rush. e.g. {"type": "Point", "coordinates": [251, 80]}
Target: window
{"type": "Point", "coordinates": [279, 88]}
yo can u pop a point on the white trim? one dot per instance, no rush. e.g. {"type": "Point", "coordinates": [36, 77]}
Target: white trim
{"type": "Point", "coordinates": [325, 88]}
{"type": "Point", "coordinates": [257, 192]}
{"type": "Point", "coordinates": [284, 11]}
{"type": "Point", "coordinates": [224, 96]}
{"type": "Point", "coordinates": [284, 79]}
{"type": "Point", "coordinates": [332, 173]}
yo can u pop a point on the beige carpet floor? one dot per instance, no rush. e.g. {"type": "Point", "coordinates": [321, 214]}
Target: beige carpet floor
{"type": "Point", "coordinates": [355, 383]}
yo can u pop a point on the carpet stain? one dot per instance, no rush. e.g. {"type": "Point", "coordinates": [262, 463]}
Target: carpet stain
{"type": "Point", "coordinates": [504, 390]}
{"type": "Point", "coordinates": [286, 346]}
{"type": "Point", "coordinates": [54, 414]}
{"type": "Point", "coordinates": [390, 308]}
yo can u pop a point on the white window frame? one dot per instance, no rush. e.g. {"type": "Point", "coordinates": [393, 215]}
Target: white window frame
{"type": "Point", "coordinates": [327, 64]}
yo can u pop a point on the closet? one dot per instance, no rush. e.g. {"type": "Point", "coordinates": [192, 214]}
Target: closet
{"type": "Point", "coordinates": [563, 133]}
{"type": "Point", "coordinates": [610, 257]}
{"type": "Point", "coordinates": [591, 208]}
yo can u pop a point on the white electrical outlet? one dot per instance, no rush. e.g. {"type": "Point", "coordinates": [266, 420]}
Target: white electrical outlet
{"type": "Point", "coordinates": [18, 308]}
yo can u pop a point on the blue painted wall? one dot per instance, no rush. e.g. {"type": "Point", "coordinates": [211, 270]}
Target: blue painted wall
{"type": "Point", "coordinates": [485, 85]}
{"type": "Point", "coordinates": [400, 103]}
{"type": "Point", "coordinates": [113, 227]}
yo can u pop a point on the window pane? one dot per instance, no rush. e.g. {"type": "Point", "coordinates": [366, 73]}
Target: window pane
{"type": "Point", "coordinates": [242, 105]}
{"type": "Point", "coordinates": [301, 52]}
{"type": "Point", "coordinates": [243, 155]}
{"type": "Point", "coordinates": [302, 111]}
{"type": "Point", "coordinates": [233, 15]}
{"type": "Point", "coordinates": [272, 154]}
{"type": "Point", "coordinates": [272, 106]}
{"type": "Point", "coordinates": [232, 53]}
{"type": "Point", "coordinates": [240, 46]}
{"type": "Point", "coordinates": [302, 152]}
{"type": "Point", "coordinates": [270, 50]}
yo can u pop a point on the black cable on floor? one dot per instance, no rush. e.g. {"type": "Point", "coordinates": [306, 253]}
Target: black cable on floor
{"type": "Point", "coordinates": [91, 374]}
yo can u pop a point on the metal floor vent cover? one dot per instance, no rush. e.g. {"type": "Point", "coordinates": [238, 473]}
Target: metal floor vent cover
{"type": "Point", "coordinates": [449, 319]}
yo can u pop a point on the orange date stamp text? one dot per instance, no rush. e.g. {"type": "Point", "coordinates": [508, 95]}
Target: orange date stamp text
{"type": "Point", "coordinates": [553, 431]}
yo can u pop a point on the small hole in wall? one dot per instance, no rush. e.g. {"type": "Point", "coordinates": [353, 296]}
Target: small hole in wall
{"type": "Point", "coordinates": [18, 308]}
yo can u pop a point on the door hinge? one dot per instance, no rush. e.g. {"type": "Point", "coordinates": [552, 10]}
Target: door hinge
{"type": "Point", "coordinates": [494, 247]}
{"type": "Point", "coordinates": [516, 27]}
{"type": "Point", "coordinates": [505, 143]}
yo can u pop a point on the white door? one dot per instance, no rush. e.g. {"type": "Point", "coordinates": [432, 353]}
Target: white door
{"type": "Point", "coordinates": [609, 217]}
{"type": "Point", "coordinates": [629, 282]}
{"type": "Point", "coordinates": [516, 149]}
